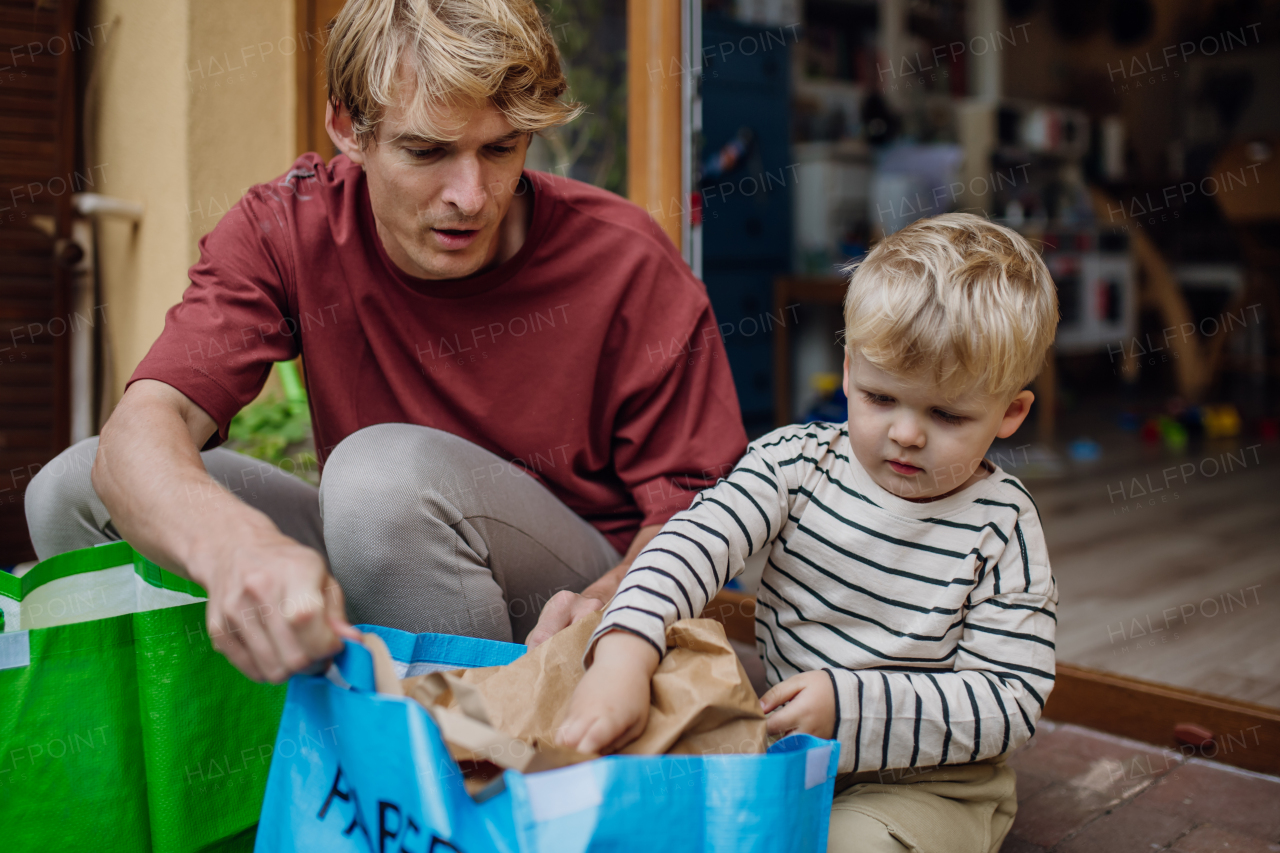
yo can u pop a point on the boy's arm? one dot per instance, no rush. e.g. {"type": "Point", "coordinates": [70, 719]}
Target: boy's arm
{"type": "Point", "coordinates": [988, 704]}
{"type": "Point", "coordinates": [687, 563]}
{"type": "Point", "coordinates": [698, 551]}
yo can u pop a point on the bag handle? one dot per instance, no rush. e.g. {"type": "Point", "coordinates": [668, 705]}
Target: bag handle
{"type": "Point", "coordinates": [355, 665]}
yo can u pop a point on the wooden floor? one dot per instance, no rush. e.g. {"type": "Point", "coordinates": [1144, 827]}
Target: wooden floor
{"type": "Point", "coordinates": [1180, 585]}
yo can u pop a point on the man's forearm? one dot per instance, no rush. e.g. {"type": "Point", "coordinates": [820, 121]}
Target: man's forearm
{"type": "Point", "coordinates": [604, 588]}
{"type": "Point", "coordinates": [149, 474]}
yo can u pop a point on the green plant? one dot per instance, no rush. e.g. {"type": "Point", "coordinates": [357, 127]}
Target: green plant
{"type": "Point", "coordinates": [278, 431]}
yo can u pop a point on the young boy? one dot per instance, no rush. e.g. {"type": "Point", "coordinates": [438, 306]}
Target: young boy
{"type": "Point", "coordinates": [907, 607]}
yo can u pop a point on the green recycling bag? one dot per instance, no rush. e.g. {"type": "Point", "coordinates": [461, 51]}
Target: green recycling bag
{"type": "Point", "coordinates": [121, 728]}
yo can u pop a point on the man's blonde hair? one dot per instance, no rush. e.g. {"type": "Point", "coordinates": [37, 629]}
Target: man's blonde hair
{"type": "Point", "coordinates": [459, 52]}
{"type": "Point", "coordinates": [956, 300]}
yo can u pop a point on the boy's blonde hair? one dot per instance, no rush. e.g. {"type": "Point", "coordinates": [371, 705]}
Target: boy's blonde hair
{"type": "Point", "coordinates": [957, 300]}
{"type": "Point", "coordinates": [459, 52]}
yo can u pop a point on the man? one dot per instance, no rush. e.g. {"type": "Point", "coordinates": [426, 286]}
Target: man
{"type": "Point", "coordinates": [513, 377]}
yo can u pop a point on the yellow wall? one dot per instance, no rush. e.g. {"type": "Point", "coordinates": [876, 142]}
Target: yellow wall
{"type": "Point", "coordinates": [192, 103]}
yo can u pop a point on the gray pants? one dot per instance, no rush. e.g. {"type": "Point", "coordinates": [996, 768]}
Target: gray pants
{"type": "Point", "coordinates": [424, 530]}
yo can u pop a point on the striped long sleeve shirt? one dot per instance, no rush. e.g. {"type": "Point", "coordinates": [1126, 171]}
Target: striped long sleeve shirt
{"type": "Point", "coordinates": [935, 621]}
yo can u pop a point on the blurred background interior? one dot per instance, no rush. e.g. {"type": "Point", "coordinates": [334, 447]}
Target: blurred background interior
{"type": "Point", "coordinates": [1135, 141]}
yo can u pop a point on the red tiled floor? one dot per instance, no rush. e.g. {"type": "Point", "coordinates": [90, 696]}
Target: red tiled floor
{"type": "Point", "coordinates": [1211, 839]}
{"type": "Point", "coordinates": [1243, 802]}
{"type": "Point", "coordinates": [1128, 829]}
{"type": "Point", "coordinates": [1068, 776]}
{"type": "Point", "coordinates": [1081, 791]}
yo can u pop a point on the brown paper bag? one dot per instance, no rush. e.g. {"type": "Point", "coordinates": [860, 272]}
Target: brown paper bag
{"type": "Point", "coordinates": [701, 700]}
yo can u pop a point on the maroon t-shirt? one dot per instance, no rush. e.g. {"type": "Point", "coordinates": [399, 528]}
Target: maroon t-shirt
{"type": "Point", "coordinates": [591, 357]}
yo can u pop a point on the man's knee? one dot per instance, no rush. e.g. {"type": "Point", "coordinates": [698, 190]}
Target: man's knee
{"type": "Point", "coordinates": [63, 481]}
{"type": "Point", "coordinates": [389, 472]}
{"type": "Point", "coordinates": [58, 496]}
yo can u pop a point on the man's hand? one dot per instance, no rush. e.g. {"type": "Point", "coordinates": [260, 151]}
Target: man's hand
{"type": "Point", "coordinates": [610, 707]}
{"type": "Point", "coordinates": [273, 609]}
{"type": "Point", "coordinates": [565, 607]}
{"type": "Point", "coordinates": [803, 703]}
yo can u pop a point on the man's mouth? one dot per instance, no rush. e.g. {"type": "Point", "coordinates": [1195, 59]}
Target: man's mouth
{"type": "Point", "coordinates": [904, 468]}
{"type": "Point", "coordinates": [455, 238]}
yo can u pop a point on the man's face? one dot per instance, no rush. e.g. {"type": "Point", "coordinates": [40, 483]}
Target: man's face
{"type": "Point", "coordinates": [440, 205]}
{"type": "Point", "coordinates": [912, 440]}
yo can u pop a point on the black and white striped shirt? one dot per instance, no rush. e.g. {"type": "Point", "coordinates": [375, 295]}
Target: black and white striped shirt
{"type": "Point", "coordinates": [935, 621]}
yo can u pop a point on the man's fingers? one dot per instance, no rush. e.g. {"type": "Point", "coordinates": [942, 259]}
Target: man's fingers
{"type": "Point", "coordinates": [336, 610]}
{"type": "Point", "coordinates": [253, 634]}
{"type": "Point", "coordinates": [555, 617]}
{"type": "Point", "coordinates": [227, 644]}
{"type": "Point", "coordinates": [287, 648]}
{"type": "Point", "coordinates": [780, 694]}
{"type": "Point", "coordinates": [584, 607]}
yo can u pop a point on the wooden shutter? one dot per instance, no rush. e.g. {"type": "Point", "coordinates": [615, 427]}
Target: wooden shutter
{"type": "Point", "coordinates": [37, 145]}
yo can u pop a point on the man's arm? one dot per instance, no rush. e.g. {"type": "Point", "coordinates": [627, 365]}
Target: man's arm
{"type": "Point", "coordinates": [273, 608]}
{"type": "Point", "coordinates": [566, 607]}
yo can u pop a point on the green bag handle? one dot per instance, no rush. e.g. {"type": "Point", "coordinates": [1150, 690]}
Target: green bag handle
{"type": "Point", "coordinates": [94, 560]}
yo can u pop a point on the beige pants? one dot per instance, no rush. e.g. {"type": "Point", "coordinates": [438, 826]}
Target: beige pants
{"type": "Point", "coordinates": [965, 808]}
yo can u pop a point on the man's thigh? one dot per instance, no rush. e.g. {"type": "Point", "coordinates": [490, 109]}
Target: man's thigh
{"type": "Point", "coordinates": [65, 513]}
{"type": "Point", "coordinates": [429, 532]}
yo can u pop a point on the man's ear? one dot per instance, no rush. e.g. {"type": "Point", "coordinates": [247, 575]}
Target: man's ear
{"type": "Point", "coordinates": [1015, 414]}
{"type": "Point", "coordinates": [338, 123]}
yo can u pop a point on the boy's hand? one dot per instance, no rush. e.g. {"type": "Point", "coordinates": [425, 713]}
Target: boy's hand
{"type": "Point", "coordinates": [803, 703]}
{"type": "Point", "coordinates": [610, 708]}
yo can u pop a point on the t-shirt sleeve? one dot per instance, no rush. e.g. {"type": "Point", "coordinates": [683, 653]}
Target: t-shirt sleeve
{"type": "Point", "coordinates": [234, 320]}
{"type": "Point", "coordinates": [680, 430]}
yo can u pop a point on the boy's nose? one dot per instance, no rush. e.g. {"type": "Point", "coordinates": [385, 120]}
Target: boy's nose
{"type": "Point", "coordinates": [906, 432]}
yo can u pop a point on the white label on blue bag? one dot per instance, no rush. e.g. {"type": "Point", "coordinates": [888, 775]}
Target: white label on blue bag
{"type": "Point", "coordinates": [15, 650]}
{"type": "Point", "coordinates": [556, 793]}
{"type": "Point", "coordinates": [816, 761]}
{"type": "Point", "coordinates": [409, 670]}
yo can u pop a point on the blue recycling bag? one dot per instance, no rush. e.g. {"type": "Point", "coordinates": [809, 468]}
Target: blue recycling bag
{"type": "Point", "coordinates": [356, 771]}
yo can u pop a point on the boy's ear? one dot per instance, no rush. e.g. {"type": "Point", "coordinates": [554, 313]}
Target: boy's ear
{"type": "Point", "coordinates": [1015, 414]}
{"type": "Point", "coordinates": [337, 121]}
{"type": "Point", "coordinates": [846, 374]}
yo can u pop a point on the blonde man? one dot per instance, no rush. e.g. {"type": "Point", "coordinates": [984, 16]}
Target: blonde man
{"type": "Point", "coordinates": [906, 607]}
{"type": "Point", "coordinates": [514, 378]}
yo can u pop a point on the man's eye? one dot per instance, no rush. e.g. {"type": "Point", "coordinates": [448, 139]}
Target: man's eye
{"type": "Point", "coordinates": [422, 153]}
{"type": "Point", "coordinates": [502, 149]}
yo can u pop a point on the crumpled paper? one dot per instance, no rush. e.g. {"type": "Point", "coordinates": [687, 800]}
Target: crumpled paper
{"type": "Point", "coordinates": [701, 701]}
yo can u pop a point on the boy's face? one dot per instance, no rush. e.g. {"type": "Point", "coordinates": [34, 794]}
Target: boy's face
{"type": "Point", "coordinates": [914, 442]}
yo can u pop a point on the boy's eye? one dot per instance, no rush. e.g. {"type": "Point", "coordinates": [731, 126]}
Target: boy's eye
{"type": "Point", "coordinates": [877, 399]}
{"type": "Point", "coordinates": [948, 417]}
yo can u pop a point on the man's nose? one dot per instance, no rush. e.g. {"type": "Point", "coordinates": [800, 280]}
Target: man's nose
{"type": "Point", "coordinates": [464, 187]}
